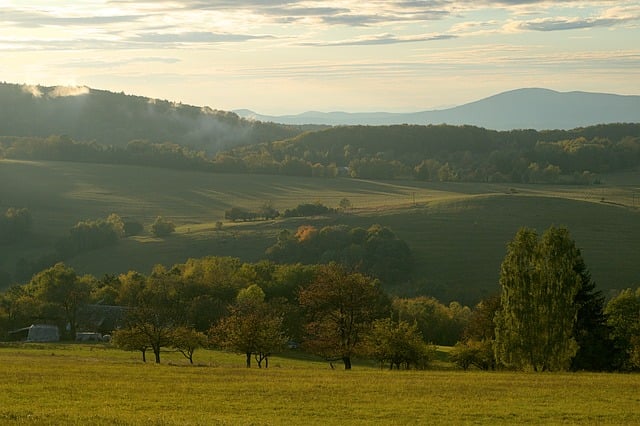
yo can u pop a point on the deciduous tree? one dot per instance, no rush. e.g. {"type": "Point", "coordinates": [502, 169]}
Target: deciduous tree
{"type": "Point", "coordinates": [535, 324]}
{"type": "Point", "coordinates": [131, 339]}
{"type": "Point", "coordinates": [60, 287]}
{"type": "Point", "coordinates": [186, 340]}
{"type": "Point", "coordinates": [624, 318]}
{"type": "Point", "coordinates": [340, 307]}
{"type": "Point", "coordinates": [253, 327]}
{"type": "Point", "coordinates": [399, 344]}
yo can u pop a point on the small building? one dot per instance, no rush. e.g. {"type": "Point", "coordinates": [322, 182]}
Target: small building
{"type": "Point", "coordinates": [37, 333]}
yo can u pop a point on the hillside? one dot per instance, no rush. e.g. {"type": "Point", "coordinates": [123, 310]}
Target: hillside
{"type": "Point", "coordinates": [457, 231]}
{"type": "Point", "coordinates": [115, 119]}
{"type": "Point", "coordinates": [530, 108]}
{"type": "Point", "coordinates": [451, 153]}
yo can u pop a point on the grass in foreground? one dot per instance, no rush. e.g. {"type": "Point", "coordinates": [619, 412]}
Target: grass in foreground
{"type": "Point", "coordinates": [76, 384]}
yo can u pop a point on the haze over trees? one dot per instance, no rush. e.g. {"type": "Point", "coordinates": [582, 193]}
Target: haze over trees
{"type": "Point", "coordinates": [116, 119]}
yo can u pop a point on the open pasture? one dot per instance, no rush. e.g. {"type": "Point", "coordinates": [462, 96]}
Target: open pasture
{"type": "Point", "coordinates": [457, 231]}
{"type": "Point", "coordinates": [85, 384]}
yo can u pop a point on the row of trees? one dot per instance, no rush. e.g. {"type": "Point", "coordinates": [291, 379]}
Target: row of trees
{"type": "Point", "coordinates": [433, 153]}
{"type": "Point", "coordinates": [252, 309]}
{"type": "Point", "coordinates": [343, 314]}
{"type": "Point", "coordinates": [548, 316]}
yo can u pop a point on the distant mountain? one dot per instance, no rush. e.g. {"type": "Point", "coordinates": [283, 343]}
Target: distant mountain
{"type": "Point", "coordinates": [538, 109]}
{"type": "Point", "coordinates": [115, 119]}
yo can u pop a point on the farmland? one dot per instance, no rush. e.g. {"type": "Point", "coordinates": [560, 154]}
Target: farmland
{"type": "Point", "coordinates": [456, 231]}
{"type": "Point", "coordinates": [96, 384]}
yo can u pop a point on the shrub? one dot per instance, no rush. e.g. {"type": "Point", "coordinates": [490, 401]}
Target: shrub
{"type": "Point", "coordinates": [162, 227]}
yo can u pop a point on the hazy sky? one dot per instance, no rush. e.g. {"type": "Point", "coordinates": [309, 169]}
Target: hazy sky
{"type": "Point", "coordinates": [288, 56]}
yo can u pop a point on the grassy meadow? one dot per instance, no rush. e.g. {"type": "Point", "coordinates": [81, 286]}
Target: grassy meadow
{"type": "Point", "coordinates": [96, 384]}
{"type": "Point", "coordinates": [457, 231]}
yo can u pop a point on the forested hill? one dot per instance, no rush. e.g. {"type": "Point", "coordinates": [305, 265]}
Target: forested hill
{"type": "Point", "coordinates": [451, 153]}
{"type": "Point", "coordinates": [433, 153]}
{"type": "Point", "coordinates": [115, 119]}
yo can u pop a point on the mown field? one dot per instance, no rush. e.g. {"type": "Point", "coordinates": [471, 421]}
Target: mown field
{"type": "Point", "coordinates": [457, 231]}
{"type": "Point", "coordinates": [98, 385]}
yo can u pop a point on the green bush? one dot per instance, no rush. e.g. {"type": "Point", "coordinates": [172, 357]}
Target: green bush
{"type": "Point", "coordinates": [162, 227]}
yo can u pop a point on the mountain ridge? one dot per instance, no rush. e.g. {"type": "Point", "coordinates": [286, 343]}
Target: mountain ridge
{"type": "Point", "coordinates": [524, 108]}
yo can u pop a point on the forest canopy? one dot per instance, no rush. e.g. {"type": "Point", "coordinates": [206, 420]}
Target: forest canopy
{"type": "Point", "coordinates": [432, 153]}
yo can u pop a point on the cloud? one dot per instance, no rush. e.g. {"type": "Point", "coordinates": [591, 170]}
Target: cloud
{"type": "Point", "coordinates": [116, 63]}
{"type": "Point", "coordinates": [30, 19]}
{"type": "Point", "coordinates": [607, 19]}
{"type": "Point", "coordinates": [382, 39]}
{"type": "Point", "coordinates": [194, 37]}
{"type": "Point", "coordinates": [339, 12]}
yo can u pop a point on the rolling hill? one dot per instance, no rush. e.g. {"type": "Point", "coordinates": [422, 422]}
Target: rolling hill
{"type": "Point", "coordinates": [529, 108]}
{"type": "Point", "coordinates": [115, 119]}
{"type": "Point", "coordinates": [456, 231]}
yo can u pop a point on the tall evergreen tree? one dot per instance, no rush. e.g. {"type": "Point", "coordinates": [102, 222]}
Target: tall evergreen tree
{"type": "Point", "coordinates": [596, 350]}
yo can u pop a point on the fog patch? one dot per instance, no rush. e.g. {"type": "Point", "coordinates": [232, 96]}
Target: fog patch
{"type": "Point", "coordinates": [32, 90]}
{"type": "Point", "coordinates": [54, 92]}
{"type": "Point", "coordinates": [64, 91]}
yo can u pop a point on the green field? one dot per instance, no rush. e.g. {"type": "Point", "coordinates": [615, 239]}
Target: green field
{"type": "Point", "coordinates": [457, 231]}
{"type": "Point", "coordinates": [95, 384]}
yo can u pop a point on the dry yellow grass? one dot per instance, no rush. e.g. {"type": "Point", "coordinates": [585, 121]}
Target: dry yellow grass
{"type": "Point", "coordinates": [78, 384]}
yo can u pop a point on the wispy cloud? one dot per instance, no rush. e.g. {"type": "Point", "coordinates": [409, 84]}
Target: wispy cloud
{"type": "Point", "coordinates": [35, 19]}
{"type": "Point", "coordinates": [564, 23]}
{"type": "Point", "coordinates": [113, 63]}
{"type": "Point", "coordinates": [382, 39]}
{"type": "Point", "coordinates": [194, 37]}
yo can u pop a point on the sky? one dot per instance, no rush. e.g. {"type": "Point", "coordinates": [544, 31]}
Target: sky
{"type": "Point", "coordinates": [290, 56]}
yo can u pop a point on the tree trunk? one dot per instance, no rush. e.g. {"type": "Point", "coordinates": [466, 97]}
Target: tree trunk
{"type": "Point", "coordinates": [144, 355]}
{"type": "Point", "coordinates": [248, 359]}
{"type": "Point", "coordinates": [266, 362]}
{"type": "Point", "coordinates": [156, 352]}
{"type": "Point", "coordinates": [347, 362]}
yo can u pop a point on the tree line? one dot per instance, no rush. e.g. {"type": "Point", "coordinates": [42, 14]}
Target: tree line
{"type": "Point", "coordinates": [433, 153]}
{"type": "Point", "coordinates": [255, 309]}
{"type": "Point", "coordinates": [548, 317]}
